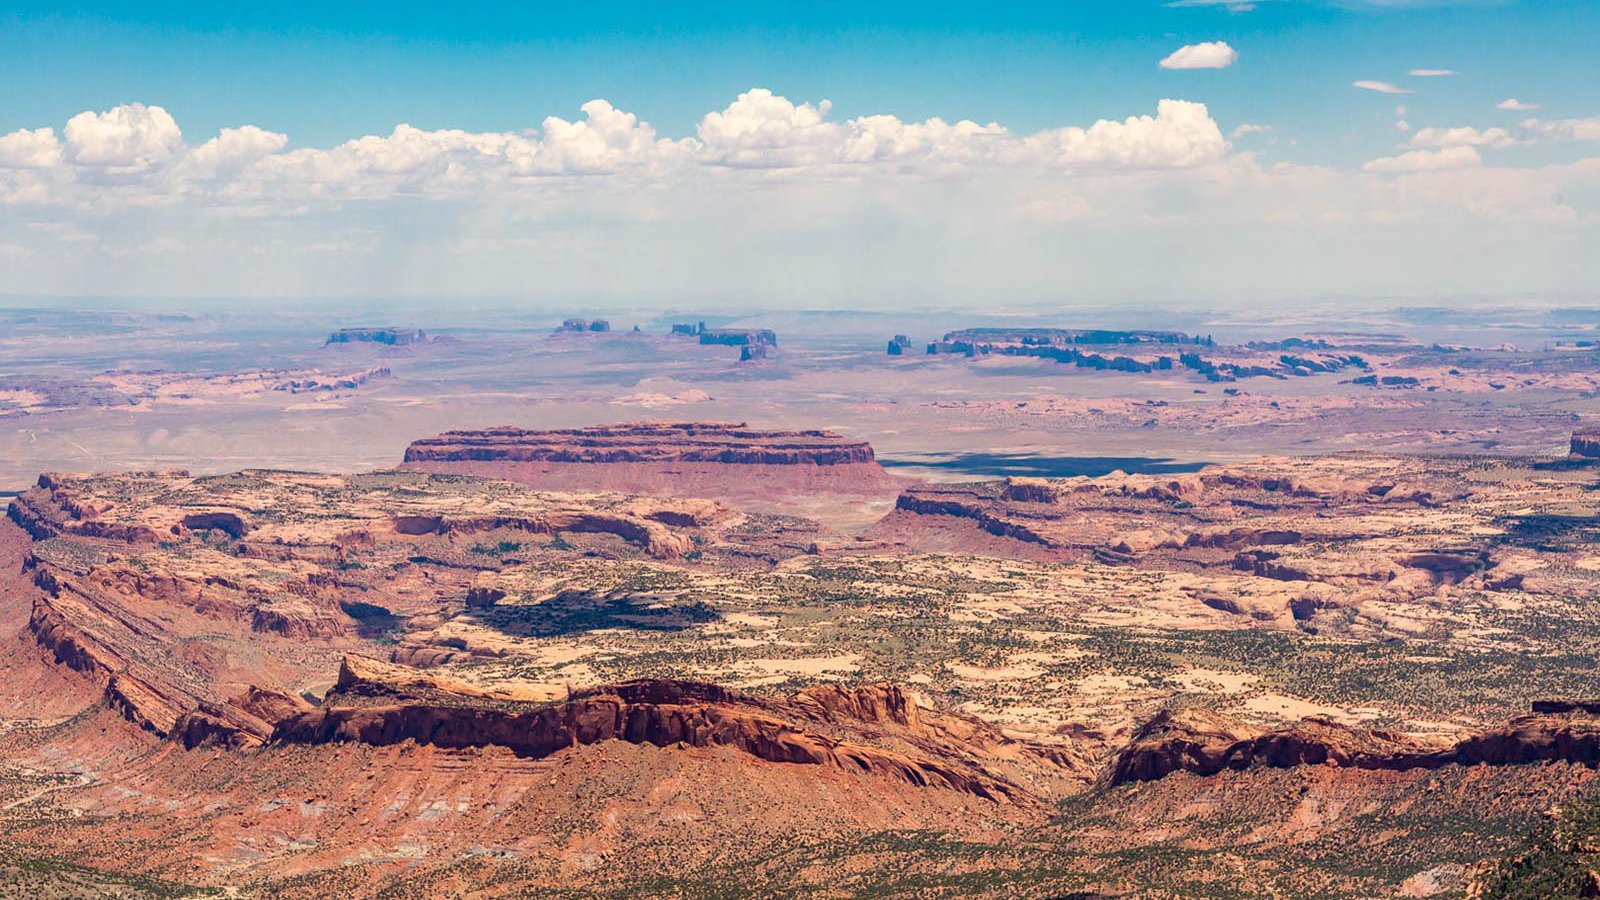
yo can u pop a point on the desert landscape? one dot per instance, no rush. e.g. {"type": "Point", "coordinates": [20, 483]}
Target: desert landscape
{"type": "Point", "coordinates": [631, 644]}
{"type": "Point", "coordinates": [1138, 450]}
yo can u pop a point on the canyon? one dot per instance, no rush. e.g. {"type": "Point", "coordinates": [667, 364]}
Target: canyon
{"type": "Point", "coordinates": [207, 641]}
{"type": "Point", "coordinates": [845, 623]}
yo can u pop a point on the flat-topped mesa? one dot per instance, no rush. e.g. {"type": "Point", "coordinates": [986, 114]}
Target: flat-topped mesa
{"type": "Point", "coordinates": [1092, 336]}
{"type": "Point", "coordinates": [644, 442]}
{"type": "Point", "coordinates": [581, 326]}
{"type": "Point", "coordinates": [391, 336]}
{"type": "Point", "coordinates": [1142, 351]}
{"type": "Point", "coordinates": [1586, 443]}
{"type": "Point", "coordinates": [735, 337]}
{"type": "Point", "coordinates": [723, 461]}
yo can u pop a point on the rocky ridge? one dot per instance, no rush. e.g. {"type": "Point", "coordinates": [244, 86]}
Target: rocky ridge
{"type": "Point", "coordinates": [1206, 743]}
{"type": "Point", "coordinates": [379, 704]}
{"type": "Point", "coordinates": [804, 473]}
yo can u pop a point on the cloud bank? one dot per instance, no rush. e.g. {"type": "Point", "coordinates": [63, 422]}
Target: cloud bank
{"type": "Point", "coordinates": [768, 199]}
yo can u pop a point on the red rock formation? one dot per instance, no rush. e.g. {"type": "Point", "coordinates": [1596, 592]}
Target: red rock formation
{"type": "Point", "coordinates": [1586, 443]}
{"type": "Point", "coordinates": [710, 442]}
{"type": "Point", "coordinates": [661, 713]}
{"type": "Point", "coordinates": [729, 462]}
{"type": "Point", "coordinates": [650, 532]}
{"type": "Point", "coordinates": [1206, 743]}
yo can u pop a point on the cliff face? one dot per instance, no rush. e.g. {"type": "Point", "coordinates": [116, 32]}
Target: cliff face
{"type": "Point", "coordinates": [683, 442]}
{"type": "Point", "coordinates": [831, 726]}
{"type": "Point", "coordinates": [1206, 743]}
{"type": "Point", "coordinates": [394, 337]}
{"type": "Point", "coordinates": [815, 474]}
{"type": "Point", "coordinates": [1586, 443]}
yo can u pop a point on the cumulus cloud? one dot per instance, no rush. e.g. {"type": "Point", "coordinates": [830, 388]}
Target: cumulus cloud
{"type": "Point", "coordinates": [135, 156]}
{"type": "Point", "coordinates": [1565, 129]}
{"type": "Point", "coordinates": [234, 148]}
{"type": "Point", "coordinates": [1382, 87]}
{"type": "Point", "coordinates": [763, 130]}
{"type": "Point", "coordinates": [605, 140]}
{"type": "Point", "coordinates": [133, 136]}
{"type": "Point", "coordinates": [1432, 73]}
{"type": "Point", "coordinates": [1208, 55]}
{"type": "Point", "coordinates": [1426, 160]}
{"type": "Point", "coordinates": [1512, 104]}
{"type": "Point", "coordinates": [762, 173]}
{"type": "Point", "coordinates": [1181, 133]}
{"type": "Point", "coordinates": [36, 149]}
{"type": "Point", "coordinates": [1466, 136]}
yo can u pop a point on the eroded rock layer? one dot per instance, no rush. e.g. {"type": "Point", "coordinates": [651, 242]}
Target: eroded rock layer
{"type": "Point", "coordinates": [645, 442]}
{"type": "Point", "coordinates": [1586, 443]}
{"type": "Point", "coordinates": [1206, 743]}
{"type": "Point", "coordinates": [780, 471]}
{"type": "Point", "coordinates": [380, 704]}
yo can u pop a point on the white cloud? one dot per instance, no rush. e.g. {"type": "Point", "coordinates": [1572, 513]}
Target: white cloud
{"type": "Point", "coordinates": [133, 136]}
{"type": "Point", "coordinates": [745, 206]}
{"type": "Point", "coordinates": [233, 149]}
{"type": "Point", "coordinates": [36, 149]}
{"type": "Point", "coordinates": [763, 130]}
{"type": "Point", "coordinates": [1208, 55]}
{"type": "Point", "coordinates": [1248, 128]}
{"type": "Point", "coordinates": [1181, 133]}
{"type": "Point", "coordinates": [1464, 136]}
{"type": "Point", "coordinates": [1426, 160]}
{"type": "Point", "coordinates": [1382, 87]}
{"type": "Point", "coordinates": [1432, 73]}
{"type": "Point", "coordinates": [1512, 104]}
{"type": "Point", "coordinates": [606, 140]}
{"type": "Point", "coordinates": [1565, 129]}
{"type": "Point", "coordinates": [1401, 125]}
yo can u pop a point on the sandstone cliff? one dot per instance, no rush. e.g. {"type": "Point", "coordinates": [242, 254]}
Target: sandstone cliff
{"type": "Point", "coordinates": [379, 704]}
{"type": "Point", "coordinates": [1206, 743]}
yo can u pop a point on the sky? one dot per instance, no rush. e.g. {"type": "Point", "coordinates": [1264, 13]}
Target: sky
{"type": "Point", "coordinates": [802, 155]}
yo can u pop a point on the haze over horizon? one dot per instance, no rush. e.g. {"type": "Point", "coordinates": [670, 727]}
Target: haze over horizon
{"type": "Point", "coordinates": [890, 157]}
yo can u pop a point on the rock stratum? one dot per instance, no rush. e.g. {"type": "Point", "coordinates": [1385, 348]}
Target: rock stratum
{"type": "Point", "coordinates": [1370, 530]}
{"type": "Point", "coordinates": [1205, 743]}
{"type": "Point", "coordinates": [721, 460]}
{"type": "Point", "coordinates": [298, 684]}
{"type": "Point", "coordinates": [1586, 443]}
{"type": "Point", "coordinates": [395, 706]}
{"type": "Point", "coordinates": [723, 443]}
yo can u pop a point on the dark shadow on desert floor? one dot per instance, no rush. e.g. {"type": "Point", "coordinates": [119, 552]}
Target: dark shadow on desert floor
{"type": "Point", "coordinates": [1027, 464]}
{"type": "Point", "coordinates": [576, 612]}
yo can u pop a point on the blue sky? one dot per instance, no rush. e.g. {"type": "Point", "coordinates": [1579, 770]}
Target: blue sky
{"type": "Point", "coordinates": [318, 75]}
{"type": "Point", "coordinates": [325, 72]}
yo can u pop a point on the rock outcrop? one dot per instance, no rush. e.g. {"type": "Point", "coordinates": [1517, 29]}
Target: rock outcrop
{"type": "Point", "coordinates": [643, 442]}
{"type": "Point", "coordinates": [1586, 443]}
{"type": "Point", "coordinates": [391, 336]}
{"type": "Point", "coordinates": [730, 462]}
{"type": "Point", "coordinates": [823, 726]}
{"type": "Point", "coordinates": [1206, 743]}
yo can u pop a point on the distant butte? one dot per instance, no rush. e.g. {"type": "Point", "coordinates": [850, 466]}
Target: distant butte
{"type": "Point", "coordinates": [394, 337]}
{"type": "Point", "coordinates": [1586, 443]}
{"type": "Point", "coordinates": [718, 460]}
